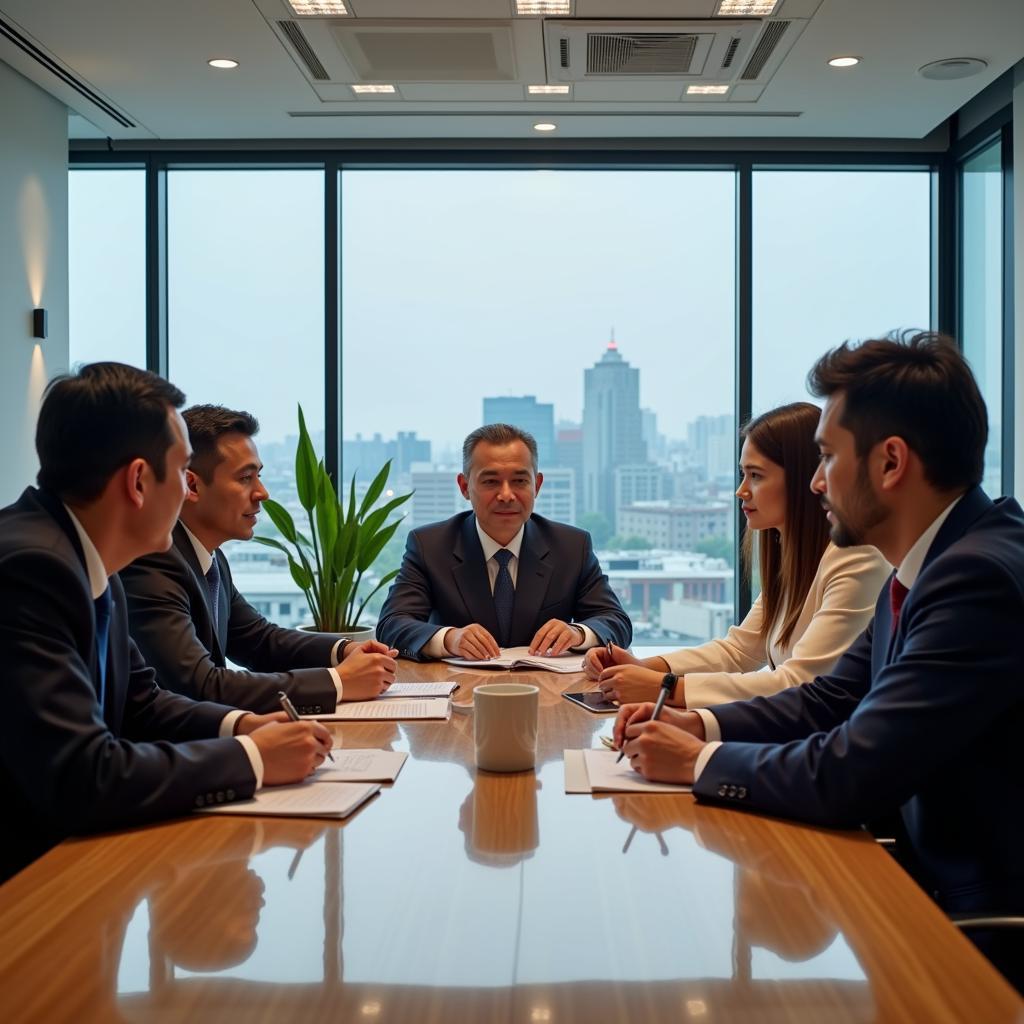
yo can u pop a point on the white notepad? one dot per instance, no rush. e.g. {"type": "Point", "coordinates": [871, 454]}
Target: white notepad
{"type": "Point", "coordinates": [361, 766]}
{"type": "Point", "coordinates": [303, 800]}
{"type": "Point", "coordinates": [603, 775]}
{"type": "Point", "coordinates": [520, 657]}
{"type": "Point", "coordinates": [387, 710]}
{"type": "Point", "coordinates": [419, 690]}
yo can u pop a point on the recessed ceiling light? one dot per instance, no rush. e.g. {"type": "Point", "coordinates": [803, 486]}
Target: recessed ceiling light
{"type": "Point", "coordinates": [548, 90]}
{"type": "Point", "coordinates": [844, 62]}
{"type": "Point", "coordinates": [544, 126]}
{"type": "Point", "coordinates": [745, 8]}
{"type": "Point", "coordinates": [319, 8]}
{"type": "Point", "coordinates": [223, 62]}
{"type": "Point", "coordinates": [373, 88]}
{"type": "Point", "coordinates": [952, 67]}
{"type": "Point", "coordinates": [543, 7]}
{"type": "Point", "coordinates": [706, 90]}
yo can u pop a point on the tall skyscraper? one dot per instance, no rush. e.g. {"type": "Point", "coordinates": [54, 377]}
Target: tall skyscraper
{"type": "Point", "coordinates": [536, 418]}
{"type": "Point", "coordinates": [612, 428]}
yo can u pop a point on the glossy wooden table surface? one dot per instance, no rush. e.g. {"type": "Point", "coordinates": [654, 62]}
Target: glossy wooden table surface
{"type": "Point", "coordinates": [465, 896]}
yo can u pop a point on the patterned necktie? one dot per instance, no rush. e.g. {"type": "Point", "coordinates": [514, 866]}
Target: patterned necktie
{"type": "Point", "coordinates": [504, 596]}
{"type": "Point", "coordinates": [897, 592]}
{"type": "Point", "coordinates": [213, 586]}
{"type": "Point", "coordinates": [102, 605]}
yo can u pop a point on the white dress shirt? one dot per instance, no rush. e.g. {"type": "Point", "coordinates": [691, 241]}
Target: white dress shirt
{"type": "Point", "coordinates": [907, 573]}
{"type": "Point", "coordinates": [435, 647]}
{"type": "Point", "coordinates": [99, 580]}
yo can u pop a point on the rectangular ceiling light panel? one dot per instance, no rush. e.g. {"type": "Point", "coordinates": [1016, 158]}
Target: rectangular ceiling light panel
{"type": "Point", "coordinates": [319, 8]}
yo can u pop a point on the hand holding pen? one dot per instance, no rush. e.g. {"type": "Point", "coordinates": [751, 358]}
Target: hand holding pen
{"type": "Point", "coordinates": [668, 686]}
{"type": "Point", "coordinates": [293, 715]}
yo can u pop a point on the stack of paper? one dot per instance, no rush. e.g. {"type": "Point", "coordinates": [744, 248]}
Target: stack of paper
{"type": "Point", "coordinates": [405, 690]}
{"type": "Point", "coordinates": [520, 657]}
{"type": "Point", "coordinates": [595, 771]}
{"type": "Point", "coordinates": [304, 800]}
{"type": "Point", "coordinates": [361, 766]}
{"type": "Point", "coordinates": [388, 710]}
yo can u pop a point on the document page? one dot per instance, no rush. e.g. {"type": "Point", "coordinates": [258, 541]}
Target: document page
{"type": "Point", "coordinates": [605, 774]}
{"type": "Point", "coordinates": [388, 710]}
{"type": "Point", "coordinates": [304, 800]}
{"type": "Point", "coordinates": [520, 657]}
{"type": "Point", "coordinates": [361, 766]}
{"type": "Point", "coordinates": [419, 690]}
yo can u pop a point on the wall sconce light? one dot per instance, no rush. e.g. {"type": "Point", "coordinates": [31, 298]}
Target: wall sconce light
{"type": "Point", "coordinates": [38, 323]}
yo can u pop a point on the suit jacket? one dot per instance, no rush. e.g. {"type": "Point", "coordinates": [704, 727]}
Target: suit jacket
{"type": "Point", "coordinates": [443, 582]}
{"type": "Point", "coordinates": [172, 622]}
{"type": "Point", "coordinates": [66, 764]}
{"type": "Point", "coordinates": [927, 719]}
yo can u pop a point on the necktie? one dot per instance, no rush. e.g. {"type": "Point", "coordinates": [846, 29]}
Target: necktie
{"type": "Point", "coordinates": [504, 596]}
{"type": "Point", "coordinates": [897, 592]}
{"type": "Point", "coordinates": [213, 586]}
{"type": "Point", "coordinates": [102, 605]}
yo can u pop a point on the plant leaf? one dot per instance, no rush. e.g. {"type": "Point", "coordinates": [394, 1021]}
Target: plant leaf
{"type": "Point", "coordinates": [373, 545]}
{"type": "Point", "coordinates": [270, 542]}
{"type": "Point", "coordinates": [384, 581]}
{"type": "Point", "coordinates": [281, 518]}
{"type": "Point", "coordinates": [302, 578]}
{"type": "Point", "coordinates": [375, 489]}
{"type": "Point", "coordinates": [326, 517]}
{"type": "Point", "coordinates": [305, 467]}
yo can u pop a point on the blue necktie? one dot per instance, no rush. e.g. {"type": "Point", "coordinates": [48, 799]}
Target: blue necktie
{"type": "Point", "coordinates": [504, 596]}
{"type": "Point", "coordinates": [102, 605]}
{"type": "Point", "coordinates": [213, 586]}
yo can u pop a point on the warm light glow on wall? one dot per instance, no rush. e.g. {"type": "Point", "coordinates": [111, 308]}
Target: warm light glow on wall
{"type": "Point", "coordinates": [34, 225]}
{"type": "Point", "coordinates": [37, 378]}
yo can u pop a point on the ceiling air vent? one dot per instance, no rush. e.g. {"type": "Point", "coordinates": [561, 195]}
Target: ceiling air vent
{"type": "Point", "coordinates": [730, 53]}
{"type": "Point", "coordinates": [770, 38]}
{"type": "Point", "coordinates": [563, 49]}
{"type": "Point", "coordinates": [648, 54]}
{"type": "Point", "coordinates": [303, 50]}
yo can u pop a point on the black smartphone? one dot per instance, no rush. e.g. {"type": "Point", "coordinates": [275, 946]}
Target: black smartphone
{"type": "Point", "coordinates": [593, 701]}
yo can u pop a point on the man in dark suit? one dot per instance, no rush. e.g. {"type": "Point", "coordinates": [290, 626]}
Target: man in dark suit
{"type": "Point", "coordinates": [188, 618]}
{"type": "Point", "coordinates": [923, 714]}
{"type": "Point", "coordinates": [499, 576]}
{"type": "Point", "coordinates": [88, 741]}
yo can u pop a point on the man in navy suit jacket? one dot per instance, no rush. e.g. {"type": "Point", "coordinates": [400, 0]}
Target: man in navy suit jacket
{"type": "Point", "coordinates": [188, 618]}
{"type": "Point", "coordinates": [924, 713]}
{"type": "Point", "coordinates": [499, 576]}
{"type": "Point", "coordinates": [88, 741]}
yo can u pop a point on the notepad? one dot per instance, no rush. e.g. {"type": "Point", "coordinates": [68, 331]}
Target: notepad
{"type": "Point", "coordinates": [595, 771]}
{"type": "Point", "coordinates": [419, 690]}
{"type": "Point", "coordinates": [303, 800]}
{"type": "Point", "coordinates": [387, 710]}
{"type": "Point", "coordinates": [361, 766]}
{"type": "Point", "coordinates": [519, 657]}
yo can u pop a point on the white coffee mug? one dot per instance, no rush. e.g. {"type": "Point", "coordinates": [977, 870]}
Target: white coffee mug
{"type": "Point", "coordinates": [505, 726]}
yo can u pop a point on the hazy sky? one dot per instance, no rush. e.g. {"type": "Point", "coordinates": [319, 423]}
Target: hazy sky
{"type": "Point", "coordinates": [458, 285]}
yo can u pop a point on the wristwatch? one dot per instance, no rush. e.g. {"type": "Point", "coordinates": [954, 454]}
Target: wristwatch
{"type": "Point", "coordinates": [668, 682]}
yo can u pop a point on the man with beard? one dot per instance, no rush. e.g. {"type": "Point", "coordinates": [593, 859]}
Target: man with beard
{"type": "Point", "coordinates": [923, 714]}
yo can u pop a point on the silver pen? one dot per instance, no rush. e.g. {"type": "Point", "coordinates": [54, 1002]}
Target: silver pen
{"type": "Point", "coordinates": [289, 710]}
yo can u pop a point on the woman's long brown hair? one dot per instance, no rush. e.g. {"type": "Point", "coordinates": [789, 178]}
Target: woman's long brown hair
{"type": "Point", "coordinates": [786, 436]}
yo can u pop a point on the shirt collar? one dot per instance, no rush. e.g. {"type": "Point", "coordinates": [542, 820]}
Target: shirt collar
{"type": "Point", "coordinates": [910, 567]}
{"type": "Point", "coordinates": [98, 576]}
{"type": "Point", "coordinates": [205, 557]}
{"type": "Point", "coordinates": [490, 545]}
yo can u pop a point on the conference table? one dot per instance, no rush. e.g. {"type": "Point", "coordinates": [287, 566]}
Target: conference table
{"type": "Point", "coordinates": [461, 895]}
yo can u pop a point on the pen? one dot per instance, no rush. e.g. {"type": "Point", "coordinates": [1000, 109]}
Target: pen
{"type": "Point", "coordinates": [668, 683]}
{"type": "Point", "coordinates": [289, 710]}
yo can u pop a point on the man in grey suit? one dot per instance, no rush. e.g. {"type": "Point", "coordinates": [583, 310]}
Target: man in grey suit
{"type": "Point", "coordinates": [188, 618]}
{"type": "Point", "coordinates": [500, 576]}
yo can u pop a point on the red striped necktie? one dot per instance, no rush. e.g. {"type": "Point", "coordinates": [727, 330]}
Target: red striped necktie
{"type": "Point", "coordinates": [897, 594]}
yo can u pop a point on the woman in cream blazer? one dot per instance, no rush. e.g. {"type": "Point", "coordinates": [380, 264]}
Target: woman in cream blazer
{"type": "Point", "coordinates": [816, 598]}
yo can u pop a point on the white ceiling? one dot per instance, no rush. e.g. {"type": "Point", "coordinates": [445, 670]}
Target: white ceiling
{"type": "Point", "coordinates": [147, 59]}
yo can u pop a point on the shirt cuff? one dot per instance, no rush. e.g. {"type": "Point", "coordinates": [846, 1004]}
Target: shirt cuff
{"type": "Point", "coordinates": [338, 684]}
{"type": "Point", "coordinates": [434, 647]}
{"type": "Point", "coordinates": [253, 753]}
{"type": "Point", "coordinates": [589, 638]}
{"type": "Point", "coordinates": [703, 757]}
{"type": "Point", "coordinates": [712, 730]}
{"type": "Point", "coordinates": [227, 723]}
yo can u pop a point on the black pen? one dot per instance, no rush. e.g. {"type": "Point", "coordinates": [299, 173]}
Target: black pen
{"type": "Point", "coordinates": [668, 683]}
{"type": "Point", "coordinates": [289, 710]}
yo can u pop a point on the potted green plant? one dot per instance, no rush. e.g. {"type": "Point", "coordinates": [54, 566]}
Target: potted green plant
{"type": "Point", "coordinates": [343, 542]}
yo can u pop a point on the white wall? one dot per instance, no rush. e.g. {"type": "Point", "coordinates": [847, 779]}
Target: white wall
{"type": "Point", "coordinates": [33, 265]}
